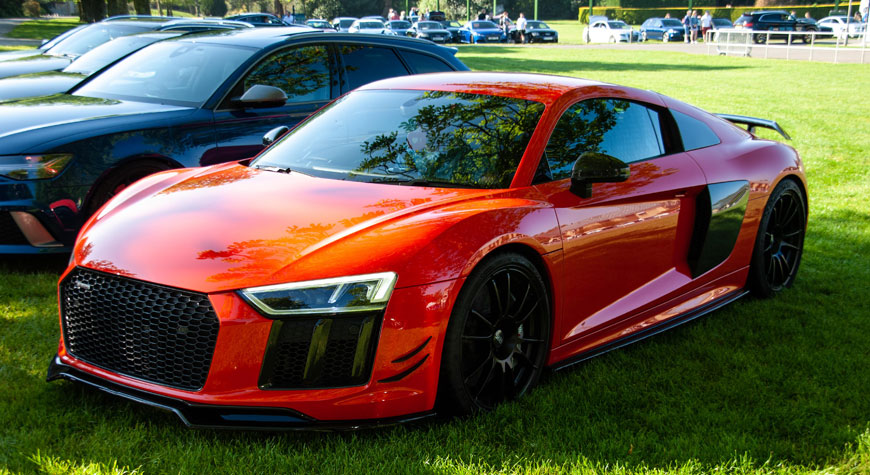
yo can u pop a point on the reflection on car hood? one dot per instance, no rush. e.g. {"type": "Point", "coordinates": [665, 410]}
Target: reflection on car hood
{"type": "Point", "coordinates": [231, 226]}
{"type": "Point", "coordinates": [36, 114]}
{"type": "Point", "coordinates": [38, 84]}
{"type": "Point", "coordinates": [7, 55]}
{"type": "Point", "coordinates": [32, 64]}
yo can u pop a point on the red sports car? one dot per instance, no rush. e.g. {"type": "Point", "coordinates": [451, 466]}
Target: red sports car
{"type": "Point", "coordinates": [423, 244]}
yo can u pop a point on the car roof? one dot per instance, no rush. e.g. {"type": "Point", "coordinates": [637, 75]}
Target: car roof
{"type": "Point", "coordinates": [542, 88]}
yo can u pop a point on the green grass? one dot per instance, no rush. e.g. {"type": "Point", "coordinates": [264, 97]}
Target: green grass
{"type": "Point", "coordinates": [763, 387]}
{"type": "Point", "coordinates": [42, 29]}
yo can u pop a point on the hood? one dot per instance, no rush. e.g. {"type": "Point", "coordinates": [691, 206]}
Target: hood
{"type": "Point", "coordinates": [38, 84]}
{"type": "Point", "coordinates": [231, 226]}
{"type": "Point", "coordinates": [7, 55]}
{"type": "Point", "coordinates": [30, 125]}
{"type": "Point", "coordinates": [488, 31]}
{"type": "Point", "coordinates": [32, 64]}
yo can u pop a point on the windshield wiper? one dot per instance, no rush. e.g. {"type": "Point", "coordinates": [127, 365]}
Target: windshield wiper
{"type": "Point", "coordinates": [433, 183]}
{"type": "Point", "coordinates": [275, 169]}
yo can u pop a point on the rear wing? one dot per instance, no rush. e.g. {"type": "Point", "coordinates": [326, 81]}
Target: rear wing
{"type": "Point", "coordinates": [752, 122]}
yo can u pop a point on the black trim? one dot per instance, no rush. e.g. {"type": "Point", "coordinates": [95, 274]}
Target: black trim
{"type": "Point", "coordinates": [653, 330]}
{"type": "Point", "coordinates": [208, 416]}
{"type": "Point", "coordinates": [400, 376]}
{"type": "Point", "coordinates": [413, 352]}
{"type": "Point", "coordinates": [719, 214]}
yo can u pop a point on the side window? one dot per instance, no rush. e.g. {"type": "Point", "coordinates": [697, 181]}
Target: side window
{"type": "Point", "coordinates": [365, 64]}
{"type": "Point", "coordinates": [423, 63]}
{"type": "Point", "coordinates": [626, 130]}
{"type": "Point", "coordinates": [695, 133]}
{"type": "Point", "coordinates": [302, 73]}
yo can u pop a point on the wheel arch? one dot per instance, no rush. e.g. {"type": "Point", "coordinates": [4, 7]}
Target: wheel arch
{"type": "Point", "coordinates": [121, 165]}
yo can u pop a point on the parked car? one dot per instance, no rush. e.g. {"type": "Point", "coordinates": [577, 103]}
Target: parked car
{"type": "Point", "coordinates": [453, 27]}
{"type": "Point", "coordinates": [186, 101]}
{"type": "Point", "coordinates": [343, 23]}
{"type": "Point", "coordinates": [720, 23]}
{"type": "Point", "coordinates": [399, 27]}
{"type": "Point", "coordinates": [63, 52]}
{"type": "Point", "coordinates": [372, 26]}
{"type": "Point", "coordinates": [53, 82]}
{"type": "Point", "coordinates": [46, 44]}
{"type": "Point", "coordinates": [429, 30]}
{"type": "Point", "coordinates": [840, 26]}
{"type": "Point", "coordinates": [664, 29]}
{"type": "Point", "coordinates": [540, 32]}
{"type": "Point", "coordinates": [319, 24]}
{"type": "Point", "coordinates": [481, 31]}
{"type": "Point", "coordinates": [259, 19]}
{"type": "Point", "coordinates": [411, 249]}
{"type": "Point", "coordinates": [610, 31]}
{"type": "Point", "coordinates": [765, 21]}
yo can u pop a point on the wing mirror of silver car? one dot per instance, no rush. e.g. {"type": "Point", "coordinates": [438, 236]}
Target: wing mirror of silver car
{"type": "Point", "coordinates": [274, 134]}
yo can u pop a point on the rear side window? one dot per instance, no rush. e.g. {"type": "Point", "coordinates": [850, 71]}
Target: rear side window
{"type": "Point", "coordinates": [365, 64]}
{"type": "Point", "coordinates": [626, 130]}
{"type": "Point", "coordinates": [423, 63]}
{"type": "Point", "coordinates": [695, 133]}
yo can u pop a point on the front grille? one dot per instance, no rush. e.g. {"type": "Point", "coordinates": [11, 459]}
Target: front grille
{"type": "Point", "coordinates": [10, 233]}
{"type": "Point", "coordinates": [330, 352]}
{"type": "Point", "coordinates": [142, 330]}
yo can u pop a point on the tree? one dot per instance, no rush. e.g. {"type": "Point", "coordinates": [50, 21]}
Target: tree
{"type": "Point", "coordinates": [117, 7]}
{"type": "Point", "coordinates": [213, 7]}
{"type": "Point", "coordinates": [142, 7]}
{"type": "Point", "coordinates": [92, 10]}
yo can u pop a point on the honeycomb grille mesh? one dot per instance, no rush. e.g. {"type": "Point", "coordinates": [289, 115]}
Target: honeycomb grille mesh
{"type": "Point", "coordinates": [320, 352]}
{"type": "Point", "coordinates": [146, 331]}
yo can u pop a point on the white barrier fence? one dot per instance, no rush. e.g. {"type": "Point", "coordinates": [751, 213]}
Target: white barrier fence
{"type": "Point", "coordinates": [799, 45]}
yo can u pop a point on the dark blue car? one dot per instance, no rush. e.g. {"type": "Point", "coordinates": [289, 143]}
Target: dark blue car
{"type": "Point", "coordinates": [183, 102]}
{"type": "Point", "coordinates": [664, 29]}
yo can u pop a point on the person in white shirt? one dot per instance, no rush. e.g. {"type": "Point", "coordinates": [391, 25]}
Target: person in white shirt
{"type": "Point", "coordinates": [706, 23]}
{"type": "Point", "coordinates": [521, 28]}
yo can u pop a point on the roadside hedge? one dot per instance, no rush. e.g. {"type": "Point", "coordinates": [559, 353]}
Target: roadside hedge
{"type": "Point", "coordinates": [636, 16]}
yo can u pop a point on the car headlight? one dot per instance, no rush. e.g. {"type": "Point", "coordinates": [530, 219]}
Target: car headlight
{"type": "Point", "coordinates": [357, 293]}
{"type": "Point", "coordinates": [34, 167]}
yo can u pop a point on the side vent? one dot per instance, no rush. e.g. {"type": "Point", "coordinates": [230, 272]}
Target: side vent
{"type": "Point", "coordinates": [719, 213]}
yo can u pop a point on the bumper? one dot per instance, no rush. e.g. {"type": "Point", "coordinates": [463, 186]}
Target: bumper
{"type": "Point", "coordinates": [220, 417]}
{"type": "Point", "coordinates": [402, 384]}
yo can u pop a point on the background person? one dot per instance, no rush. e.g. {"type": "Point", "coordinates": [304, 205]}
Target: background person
{"type": "Point", "coordinates": [521, 28]}
{"type": "Point", "coordinates": [706, 24]}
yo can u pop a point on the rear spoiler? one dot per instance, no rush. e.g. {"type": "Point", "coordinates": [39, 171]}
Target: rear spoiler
{"type": "Point", "coordinates": [752, 122]}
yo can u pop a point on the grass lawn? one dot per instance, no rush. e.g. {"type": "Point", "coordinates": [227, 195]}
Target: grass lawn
{"type": "Point", "coordinates": [43, 29]}
{"type": "Point", "coordinates": [779, 386]}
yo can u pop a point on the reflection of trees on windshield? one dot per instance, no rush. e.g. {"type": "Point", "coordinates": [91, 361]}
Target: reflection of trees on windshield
{"type": "Point", "coordinates": [581, 129]}
{"type": "Point", "coordinates": [61, 99]}
{"type": "Point", "coordinates": [461, 138]}
{"type": "Point", "coordinates": [302, 73]}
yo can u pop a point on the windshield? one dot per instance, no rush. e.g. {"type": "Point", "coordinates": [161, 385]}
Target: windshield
{"type": "Point", "coordinates": [97, 58]}
{"type": "Point", "coordinates": [94, 35]}
{"type": "Point", "coordinates": [536, 25]}
{"type": "Point", "coordinates": [479, 25]}
{"type": "Point", "coordinates": [175, 72]}
{"type": "Point", "coordinates": [617, 25]}
{"type": "Point", "coordinates": [400, 24]}
{"type": "Point", "coordinates": [429, 25]}
{"type": "Point", "coordinates": [411, 137]}
{"type": "Point", "coordinates": [371, 25]}
{"type": "Point", "coordinates": [346, 23]}
{"type": "Point", "coordinates": [671, 23]}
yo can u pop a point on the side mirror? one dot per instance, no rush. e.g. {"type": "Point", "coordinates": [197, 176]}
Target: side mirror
{"type": "Point", "coordinates": [594, 167]}
{"type": "Point", "coordinates": [275, 134]}
{"type": "Point", "coordinates": [260, 95]}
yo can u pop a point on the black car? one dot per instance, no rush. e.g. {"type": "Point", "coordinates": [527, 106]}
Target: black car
{"type": "Point", "coordinates": [258, 19]}
{"type": "Point", "coordinates": [182, 102]}
{"type": "Point", "coordinates": [453, 27]}
{"type": "Point", "coordinates": [539, 32]}
{"type": "Point", "coordinates": [429, 30]}
{"type": "Point", "coordinates": [65, 51]}
{"type": "Point", "coordinates": [766, 21]}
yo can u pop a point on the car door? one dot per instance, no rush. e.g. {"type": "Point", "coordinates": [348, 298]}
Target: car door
{"type": "Point", "coordinates": [625, 247]}
{"type": "Point", "coordinates": [306, 73]}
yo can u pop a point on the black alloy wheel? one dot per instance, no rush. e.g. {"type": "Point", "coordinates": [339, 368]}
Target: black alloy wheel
{"type": "Point", "coordinates": [780, 241]}
{"type": "Point", "coordinates": [498, 336]}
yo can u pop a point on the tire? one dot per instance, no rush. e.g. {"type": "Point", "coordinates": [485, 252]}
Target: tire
{"type": "Point", "coordinates": [613, 39]}
{"type": "Point", "coordinates": [643, 36]}
{"type": "Point", "coordinates": [666, 38]}
{"type": "Point", "coordinates": [120, 179]}
{"type": "Point", "coordinates": [780, 241]}
{"type": "Point", "coordinates": [759, 38]}
{"type": "Point", "coordinates": [498, 336]}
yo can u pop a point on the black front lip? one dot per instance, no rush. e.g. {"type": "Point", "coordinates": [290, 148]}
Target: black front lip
{"type": "Point", "coordinates": [209, 416]}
